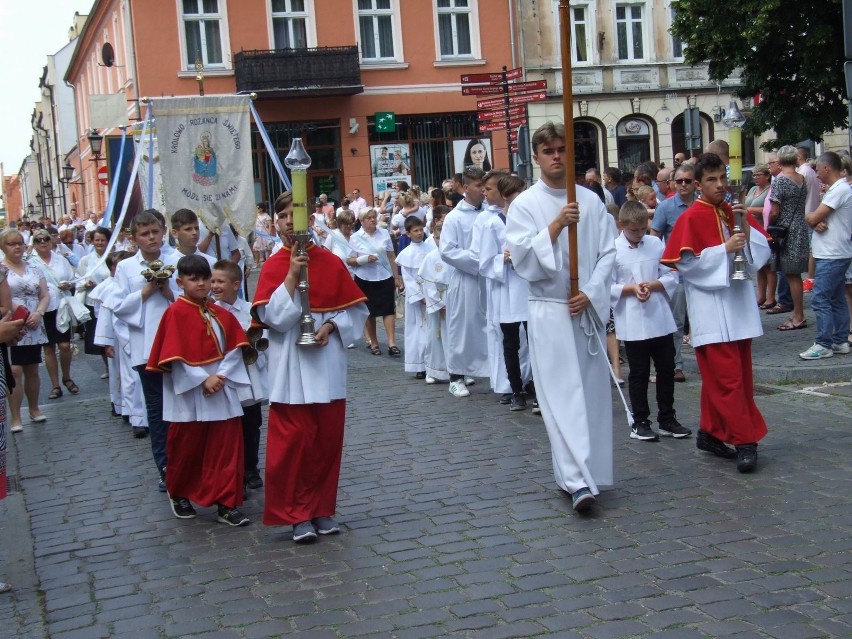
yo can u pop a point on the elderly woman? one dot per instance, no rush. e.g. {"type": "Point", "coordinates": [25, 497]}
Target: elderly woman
{"type": "Point", "coordinates": [754, 200]}
{"type": "Point", "coordinates": [377, 276]}
{"type": "Point", "coordinates": [60, 280]}
{"type": "Point", "coordinates": [788, 197]}
{"type": "Point", "coordinates": [28, 289]}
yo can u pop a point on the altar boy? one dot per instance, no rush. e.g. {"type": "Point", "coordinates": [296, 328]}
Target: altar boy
{"type": "Point", "coordinates": [201, 377]}
{"type": "Point", "coordinates": [416, 331]}
{"type": "Point", "coordinates": [639, 296]}
{"type": "Point", "coordinates": [723, 313]}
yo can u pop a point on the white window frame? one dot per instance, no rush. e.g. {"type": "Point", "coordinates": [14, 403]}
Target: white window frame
{"type": "Point", "coordinates": [670, 15]}
{"type": "Point", "coordinates": [475, 42]}
{"type": "Point", "coordinates": [647, 41]}
{"type": "Point", "coordinates": [309, 15]}
{"type": "Point", "coordinates": [396, 25]}
{"type": "Point", "coordinates": [188, 66]}
{"type": "Point", "coordinates": [591, 31]}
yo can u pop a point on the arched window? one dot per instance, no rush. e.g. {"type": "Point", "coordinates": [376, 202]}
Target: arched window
{"type": "Point", "coordinates": [634, 138]}
{"type": "Point", "coordinates": [587, 147]}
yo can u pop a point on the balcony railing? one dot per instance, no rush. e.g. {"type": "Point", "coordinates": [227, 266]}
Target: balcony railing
{"type": "Point", "coordinates": [299, 72]}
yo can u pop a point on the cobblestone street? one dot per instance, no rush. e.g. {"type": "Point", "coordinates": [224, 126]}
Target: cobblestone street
{"type": "Point", "coordinates": [452, 526]}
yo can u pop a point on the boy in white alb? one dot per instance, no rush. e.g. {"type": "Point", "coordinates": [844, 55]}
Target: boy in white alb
{"type": "Point", "coordinates": [225, 286]}
{"type": "Point", "coordinates": [467, 346]}
{"type": "Point", "coordinates": [639, 296]}
{"type": "Point", "coordinates": [435, 275]}
{"type": "Point", "coordinates": [572, 381]}
{"type": "Point", "coordinates": [141, 306]}
{"type": "Point", "coordinates": [416, 330]}
{"type": "Point", "coordinates": [723, 313]}
{"type": "Point", "coordinates": [507, 295]}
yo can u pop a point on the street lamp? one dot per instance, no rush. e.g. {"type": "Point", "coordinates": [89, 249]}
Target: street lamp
{"type": "Point", "coordinates": [67, 172]}
{"type": "Point", "coordinates": [48, 189]}
{"type": "Point", "coordinates": [96, 141]}
{"type": "Point", "coordinates": [30, 209]}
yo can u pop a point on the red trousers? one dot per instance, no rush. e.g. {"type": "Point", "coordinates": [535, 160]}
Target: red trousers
{"type": "Point", "coordinates": [728, 411]}
{"type": "Point", "coordinates": [206, 462]}
{"type": "Point", "coordinates": [303, 450]}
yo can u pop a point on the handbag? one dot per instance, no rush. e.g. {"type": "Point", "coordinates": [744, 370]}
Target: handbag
{"type": "Point", "coordinates": [779, 236]}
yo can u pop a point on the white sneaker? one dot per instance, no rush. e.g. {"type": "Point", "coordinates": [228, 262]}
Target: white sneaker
{"type": "Point", "coordinates": [431, 380]}
{"type": "Point", "coordinates": [17, 428]}
{"type": "Point", "coordinates": [840, 349]}
{"type": "Point", "coordinates": [817, 352]}
{"type": "Point", "coordinates": [469, 381]}
{"type": "Point", "coordinates": [458, 389]}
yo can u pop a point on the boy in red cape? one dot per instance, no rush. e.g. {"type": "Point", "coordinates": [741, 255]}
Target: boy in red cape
{"type": "Point", "coordinates": [307, 385]}
{"type": "Point", "coordinates": [723, 313]}
{"type": "Point", "coordinates": [198, 347]}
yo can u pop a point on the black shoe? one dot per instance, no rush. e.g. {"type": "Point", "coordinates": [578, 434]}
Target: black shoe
{"type": "Point", "coordinates": [304, 533]}
{"type": "Point", "coordinates": [674, 429]}
{"type": "Point", "coordinates": [115, 413]}
{"type": "Point", "coordinates": [517, 402]}
{"type": "Point", "coordinates": [126, 419]}
{"type": "Point", "coordinates": [231, 516]}
{"type": "Point", "coordinates": [182, 508]}
{"type": "Point", "coordinates": [582, 500]}
{"type": "Point", "coordinates": [709, 444]}
{"type": "Point", "coordinates": [535, 409]}
{"type": "Point", "coordinates": [253, 480]}
{"type": "Point", "coordinates": [420, 375]}
{"type": "Point", "coordinates": [747, 458]}
{"type": "Point", "coordinates": [140, 432]}
{"type": "Point", "coordinates": [506, 398]}
{"type": "Point", "coordinates": [161, 486]}
{"type": "Point", "coordinates": [643, 432]}
{"type": "Point", "coordinates": [325, 526]}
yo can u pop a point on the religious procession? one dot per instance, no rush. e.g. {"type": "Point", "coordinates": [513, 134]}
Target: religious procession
{"type": "Point", "coordinates": [237, 299]}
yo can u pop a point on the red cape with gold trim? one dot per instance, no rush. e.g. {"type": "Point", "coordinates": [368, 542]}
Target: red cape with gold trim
{"type": "Point", "coordinates": [185, 335]}
{"type": "Point", "coordinates": [700, 227]}
{"type": "Point", "coordinates": [331, 286]}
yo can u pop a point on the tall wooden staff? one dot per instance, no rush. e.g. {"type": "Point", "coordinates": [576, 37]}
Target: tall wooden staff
{"type": "Point", "coordinates": [568, 117]}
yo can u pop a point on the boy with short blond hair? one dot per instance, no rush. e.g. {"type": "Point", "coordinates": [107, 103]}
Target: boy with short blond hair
{"type": "Point", "coordinates": [225, 286]}
{"type": "Point", "coordinates": [644, 321]}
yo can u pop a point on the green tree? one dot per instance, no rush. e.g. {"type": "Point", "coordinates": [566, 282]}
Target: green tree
{"type": "Point", "coordinates": [791, 52]}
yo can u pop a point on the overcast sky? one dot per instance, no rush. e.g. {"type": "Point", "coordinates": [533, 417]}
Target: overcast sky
{"type": "Point", "coordinates": [30, 30]}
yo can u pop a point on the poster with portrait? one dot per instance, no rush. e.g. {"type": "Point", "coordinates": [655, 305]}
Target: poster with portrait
{"type": "Point", "coordinates": [389, 163]}
{"type": "Point", "coordinates": [474, 152]}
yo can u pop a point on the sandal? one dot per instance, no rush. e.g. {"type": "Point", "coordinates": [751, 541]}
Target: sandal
{"type": "Point", "coordinates": [789, 325]}
{"type": "Point", "coordinates": [375, 350]}
{"type": "Point", "coordinates": [56, 393]}
{"type": "Point", "coordinates": [778, 309]}
{"type": "Point", "coordinates": [71, 386]}
{"type": "Point", "coordinates": [767, 305]}
{"type": "Point", "coordinates": [394, 350]}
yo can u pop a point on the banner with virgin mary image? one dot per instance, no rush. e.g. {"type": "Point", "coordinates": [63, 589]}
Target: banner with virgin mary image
{"type": "Point", "coordinates": [205, 158]}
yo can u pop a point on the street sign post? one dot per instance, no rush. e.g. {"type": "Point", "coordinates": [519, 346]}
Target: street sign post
{"type": "Point", "coordinates": [506, 110]}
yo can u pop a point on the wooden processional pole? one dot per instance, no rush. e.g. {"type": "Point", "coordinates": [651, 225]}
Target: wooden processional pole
{"type": "Point", "coordinates": [568, 117]}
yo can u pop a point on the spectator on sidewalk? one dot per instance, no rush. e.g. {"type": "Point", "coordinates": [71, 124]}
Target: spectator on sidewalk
{"type": "Point", "coordinates": [832, 252]}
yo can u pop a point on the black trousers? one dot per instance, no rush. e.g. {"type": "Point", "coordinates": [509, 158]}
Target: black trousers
{"type": "Point", "coordinates": [512, 354]}
{"type": "Point", "coordinates": [158, 428]}
{"type": "Point", "coordinates": [252, 419]}
{"type": "Point", "coordinates": [639, 355]}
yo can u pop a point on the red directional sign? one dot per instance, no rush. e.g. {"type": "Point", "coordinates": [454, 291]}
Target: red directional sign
{"type": "Point", "coordinates": [527, 86]}
{"type": "Point", "coordinates": [498, 125]}
{"type": "Point", "coordinates": [481, 78]}
{"type": "Point", "coordinates": [521, 98]}
{"type": "Point", "coordinates": [501, 113]}
{"type": "Point", "coordinates": [483, 89]}
{"type": "Point", "coordinates": [103, 175]}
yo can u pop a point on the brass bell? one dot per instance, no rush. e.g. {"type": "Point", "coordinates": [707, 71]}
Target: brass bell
{"type": "Point", "coordinates": [249, 355]}
{"type": "Point", "coordinates": [148, 274]}
{"type": "Point", "coordinates": [156, 265]}
{"type": "Point", "coordinates": [262, 344]}
{"type": "Point", "coordinates": [254, 333]}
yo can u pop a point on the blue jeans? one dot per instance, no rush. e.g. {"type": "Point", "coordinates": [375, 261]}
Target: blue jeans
{"type": "Point", "coordinates": [829, 301]}
{"type": "Point", "coordinates": [783, 296]}
{"type": "Point", "coordinates": [158, 428]}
